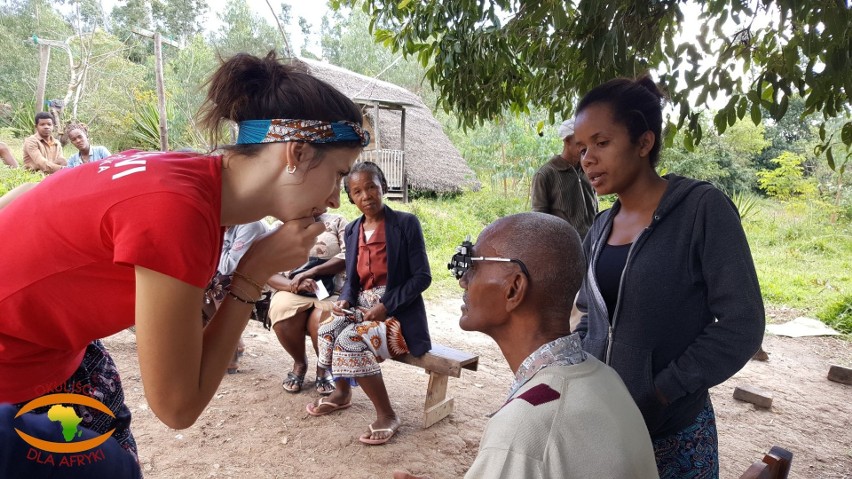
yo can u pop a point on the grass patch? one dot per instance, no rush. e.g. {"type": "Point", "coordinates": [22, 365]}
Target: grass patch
{"type": "Point", "coordinates": [803, 261]}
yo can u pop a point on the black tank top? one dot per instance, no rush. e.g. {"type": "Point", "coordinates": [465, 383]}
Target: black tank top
{"type": "Point", "coordinates": [608, 272]}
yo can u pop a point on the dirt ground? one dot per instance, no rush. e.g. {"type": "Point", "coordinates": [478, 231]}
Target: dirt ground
{"type": "Point", "coordinates": [253, 429]}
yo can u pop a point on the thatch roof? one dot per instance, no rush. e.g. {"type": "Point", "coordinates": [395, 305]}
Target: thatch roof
{"type": "Point", "coordinates": [432, 162]}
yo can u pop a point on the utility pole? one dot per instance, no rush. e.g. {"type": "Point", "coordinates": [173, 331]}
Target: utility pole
{"type": "Point", "coordinates": [158, 72]}
{"type": "Point", "coordinates": [43, 62]}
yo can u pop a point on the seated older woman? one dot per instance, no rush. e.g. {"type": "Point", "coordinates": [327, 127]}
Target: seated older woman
{"type": "Point", "coordinates": [296, 308]}
{"type": "Point", "coordinates": [386, 273]}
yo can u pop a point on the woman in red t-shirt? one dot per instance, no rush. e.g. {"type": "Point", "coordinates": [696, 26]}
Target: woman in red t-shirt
{"type": "Point", "coordinates": [134, 238]}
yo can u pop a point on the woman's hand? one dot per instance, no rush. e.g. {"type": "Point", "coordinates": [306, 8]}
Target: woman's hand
{"type": "Point", "coordinates": [282, 249]}
{"type": "Point", "coordinates": [377, 313]}
{"type": "Point", "coordinates": [339, 306]}
{"type": "Point", "coordinates": [306, 285]}
{"type": "Point", "coordinates": [299, 278]}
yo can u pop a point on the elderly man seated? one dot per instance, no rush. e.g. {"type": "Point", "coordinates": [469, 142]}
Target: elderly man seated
{"type": "Point", "coordinates": [567, 414]}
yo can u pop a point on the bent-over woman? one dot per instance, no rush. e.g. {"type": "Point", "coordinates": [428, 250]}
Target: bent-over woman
{"type": "Point", "coordinates": [386, 273]}
{"type": "Point", "coordinates": [142, 239]}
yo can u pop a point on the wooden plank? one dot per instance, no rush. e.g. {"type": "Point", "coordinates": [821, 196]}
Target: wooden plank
{"type": "Point", "coordinates": [437, 390]}
{"type": "Point", "coordinates": [444, 360]}
{"type": "Point", "coordinates": [839, 374]}
{"type": "Point", "coordinates": [437, 412]}
{"type": "Point", "coordinates": [431, 362]}
{"type": "Point", "coordinates": [465, 359]}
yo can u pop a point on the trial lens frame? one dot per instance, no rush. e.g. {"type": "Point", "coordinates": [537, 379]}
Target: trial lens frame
{"type": "Point", "coordinates": [463, 261]}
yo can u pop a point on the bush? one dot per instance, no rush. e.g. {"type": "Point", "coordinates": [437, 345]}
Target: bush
{"type": "Point", "coordinates": [787, 180]}
{"type": "Point", "coordinates": [838, 315]}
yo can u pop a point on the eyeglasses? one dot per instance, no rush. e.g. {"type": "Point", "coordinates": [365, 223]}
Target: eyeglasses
{"type": "Point", "coordinates": [463, 261]}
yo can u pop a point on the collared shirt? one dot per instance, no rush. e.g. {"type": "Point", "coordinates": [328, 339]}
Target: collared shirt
{"type": "Point", "coordinates": [373, 258]}
{"type": "Point", "coordinates": [96, 153]}
{"type": "Point", "coordinates": [563, 351]}
{"type": "Point", "coordinates": [39, 153]}
{"type": "Point", "coordinates": [564, 190]}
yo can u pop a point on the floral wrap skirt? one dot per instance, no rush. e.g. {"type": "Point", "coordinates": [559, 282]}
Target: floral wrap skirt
{"type": "Point", "coordinates": [351, 347]}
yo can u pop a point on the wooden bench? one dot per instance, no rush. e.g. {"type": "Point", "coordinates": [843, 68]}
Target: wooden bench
{"type": "Point", "coordinates": [440, 362]}
{"type": "Point", "coordinates": [775, 465]}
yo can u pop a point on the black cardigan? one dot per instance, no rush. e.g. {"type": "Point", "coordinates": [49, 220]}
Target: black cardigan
{"type": "Point", "coordinates": [408, 275]}
{"type": "Point", "coordinates": [689, 313]}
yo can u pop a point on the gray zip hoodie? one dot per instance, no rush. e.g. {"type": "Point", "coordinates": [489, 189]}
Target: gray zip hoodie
{"type": "Point", "coordinates": [689, 313]}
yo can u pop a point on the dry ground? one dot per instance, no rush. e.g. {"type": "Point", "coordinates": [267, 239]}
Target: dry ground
{"type": "Point", "coordinates": [253, 429]}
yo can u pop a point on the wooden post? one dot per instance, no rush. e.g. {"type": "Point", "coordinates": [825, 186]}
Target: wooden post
{"type": "Point", "coordinates": [402, 147]}
{"type": "Point", "coordinates": [161, 91]}
{"type": "Point", "coordinates": [43, 61]}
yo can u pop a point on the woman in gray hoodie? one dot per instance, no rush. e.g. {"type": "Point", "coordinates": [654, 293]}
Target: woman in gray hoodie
{"type": "Point", "coordinates": [671, 299]}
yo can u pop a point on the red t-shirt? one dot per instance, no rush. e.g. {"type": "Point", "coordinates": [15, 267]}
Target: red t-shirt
{"type": "Point", "coordinates": [69, 247]}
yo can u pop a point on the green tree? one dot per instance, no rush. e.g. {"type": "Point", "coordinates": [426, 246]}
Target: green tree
{"type": "Point", "coordinates": [19, 22]}
{"type": "Point", "coordinates": [787, 181]}
{"type": "Point", "coordinates": [346, 42]}
{"type": "Point", "coordinates": [243, 30]}
{"type": "Point", "coordinates": [132, 14]}
{"type": "Point", "coordinates": [728, 160]}
{"type": "Point", "coordinates": [491, 56]}
{"type": "Point", "coordinates": [179, 19]}
{"type": "Point", "coordinates": [187, 70]}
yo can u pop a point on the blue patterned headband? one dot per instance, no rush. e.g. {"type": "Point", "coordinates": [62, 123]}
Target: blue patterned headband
{"type": "Point", "coordinates": [308, 131]}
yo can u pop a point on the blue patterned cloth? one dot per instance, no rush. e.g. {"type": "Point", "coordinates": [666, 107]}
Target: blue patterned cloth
{"type": "Point", "coordinates": [309, 131]}
{"type": "Point", "coordinates": [692, 452]}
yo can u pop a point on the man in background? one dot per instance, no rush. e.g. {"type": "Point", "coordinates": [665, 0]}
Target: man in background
{"type": "Point", "coordinates": [561, 188]}
{"type": "Point", "coordinates": [41, 151]}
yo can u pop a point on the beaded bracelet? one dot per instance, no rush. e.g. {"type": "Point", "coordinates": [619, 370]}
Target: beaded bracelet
{"type": "Point", "coordinates": [249, 281]}
{"type": "Point", "coordinates": [245, 301]}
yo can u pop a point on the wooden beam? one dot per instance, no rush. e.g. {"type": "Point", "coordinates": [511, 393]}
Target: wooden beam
{"type": "Point", "coordinates": [161, 91]}
{"type": "Point", "coordinates": [437, 405]}
{"type": "Point", "coordinates": [43, 62]}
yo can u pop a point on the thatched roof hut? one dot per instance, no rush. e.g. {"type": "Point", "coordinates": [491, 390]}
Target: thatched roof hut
{"type": "Point", "coordinates": [432, 162]}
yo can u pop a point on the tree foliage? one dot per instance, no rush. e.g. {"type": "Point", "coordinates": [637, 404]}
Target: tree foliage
{"type": "Point", "coordinates": [492, 55]}
{"type": "Point", "coordinates": [242, 30]}
{"type": "Point", "coordinates": [787, 180]}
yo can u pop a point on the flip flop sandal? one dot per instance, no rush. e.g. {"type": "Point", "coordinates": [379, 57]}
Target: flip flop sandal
{"type": "Point", "coordinates": [325, 386]}
{"type": "Point", "coordinates": [293, 383]}
{"type": "Point", "coordinates": [313, 409]}
{"type": "Point", "coordinates": [376, 442]}
{"type": "Point", "coordinates": [234, 367]}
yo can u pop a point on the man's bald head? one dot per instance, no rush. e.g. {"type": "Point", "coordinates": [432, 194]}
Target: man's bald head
{"type": "Point", "coordinates": [550, 248]}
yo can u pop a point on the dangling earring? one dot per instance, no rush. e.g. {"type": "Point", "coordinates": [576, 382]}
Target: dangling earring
{"type": "Point", "coordinates": [291, 169]}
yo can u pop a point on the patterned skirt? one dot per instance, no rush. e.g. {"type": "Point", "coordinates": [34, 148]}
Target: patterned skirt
{"type": "Point", "coordinates": [692, 452]}
{"type": "Point", "coordinates": [351, 347]}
